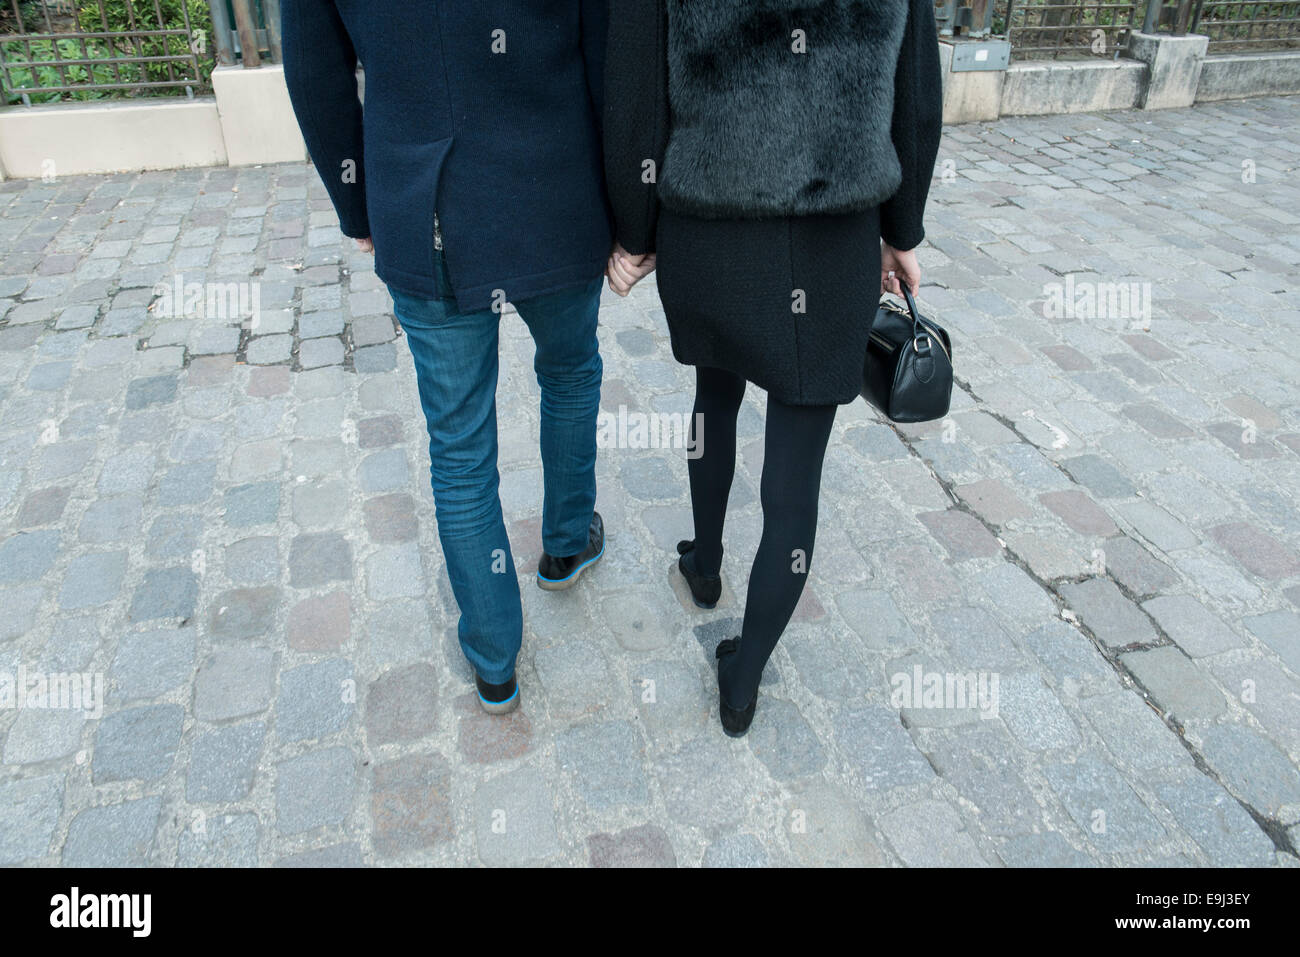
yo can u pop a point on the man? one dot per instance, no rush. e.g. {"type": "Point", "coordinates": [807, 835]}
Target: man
{"type": "Point", "coordinates": [474, 174]}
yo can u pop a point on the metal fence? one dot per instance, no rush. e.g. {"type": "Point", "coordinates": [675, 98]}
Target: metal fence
{"type": "Point", "coordinates": [1082, 28]}
{"type": "Point", "coordinates": [53, 50]}
{"type": "Point", "coordinates": [1241, 26]}
{"type": "Point", "coordinates": [1057, 28]}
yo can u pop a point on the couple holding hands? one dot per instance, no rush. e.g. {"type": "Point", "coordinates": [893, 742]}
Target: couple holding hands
{"type": "Point", "coordinates": [767, 157]}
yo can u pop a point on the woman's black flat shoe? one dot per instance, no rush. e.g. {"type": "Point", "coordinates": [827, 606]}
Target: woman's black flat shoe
{"type": "Point", "coordinates": [705, 589]}
{"type": "Point", "coordinates": [734, 722]}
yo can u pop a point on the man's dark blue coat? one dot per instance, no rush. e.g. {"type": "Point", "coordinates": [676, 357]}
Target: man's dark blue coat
{"type": "Point", "coordinates": [487, 110]}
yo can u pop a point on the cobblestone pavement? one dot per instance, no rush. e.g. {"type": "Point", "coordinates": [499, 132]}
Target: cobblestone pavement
{"type": "Point", "coordinates": [229, 524]}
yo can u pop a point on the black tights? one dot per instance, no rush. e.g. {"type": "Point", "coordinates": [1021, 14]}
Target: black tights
{"type": "Point", "coordinates": [793, 449]}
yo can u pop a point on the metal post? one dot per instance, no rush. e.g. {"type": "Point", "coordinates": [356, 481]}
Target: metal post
{"type": "Point", "coordinates": [271, 10]}
{"type": "Point", "coordinates": [1153, 10]}
{"type": "Point", "coordinates": [221, 32]}
{"type": "Point", "coordinates": [247, 34]}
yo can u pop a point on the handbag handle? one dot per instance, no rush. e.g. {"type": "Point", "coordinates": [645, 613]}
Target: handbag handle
{"type": "Point", "coordinates": [919, 331]}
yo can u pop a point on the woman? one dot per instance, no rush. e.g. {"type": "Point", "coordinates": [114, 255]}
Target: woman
{"type": "Point", "coordinates": [768, 156]}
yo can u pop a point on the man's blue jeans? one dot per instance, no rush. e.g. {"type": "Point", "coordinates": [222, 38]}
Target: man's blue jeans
{"type": "Point", "coordinates": [456, 369]}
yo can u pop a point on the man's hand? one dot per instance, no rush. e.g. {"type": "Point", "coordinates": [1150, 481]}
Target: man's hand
{"type": "Point", "coordinates": [625, 270]}
{"type": "Point", "coordinates": [896, 265]}
{"type": "Point", "coordinates": [366, 245]}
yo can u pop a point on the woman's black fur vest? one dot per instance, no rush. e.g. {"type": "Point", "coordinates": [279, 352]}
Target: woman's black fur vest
{"type": "Point", "coordinates": [781, 107]}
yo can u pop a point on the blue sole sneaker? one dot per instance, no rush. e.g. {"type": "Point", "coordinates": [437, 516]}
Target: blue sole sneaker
{"type": "Point", "coordinates": [497, 699]}
{"type": "Point", "coordinates": [557, 574]}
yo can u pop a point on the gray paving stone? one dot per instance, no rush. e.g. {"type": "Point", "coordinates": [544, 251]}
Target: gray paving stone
{"type": "Point", "coordinates": [1175, 683]}
{"type": "Point", "coordinates": [1033, 714]}
{"type": "Point", "coordinates": [1215, 821]}
{"type": "Point", "coordinates": [27, 556]}
{"type": "Point", "coordinates": [1194, 627]}
{"type": "Point", "coordinates": [929, 834]}
{"type": "Point", "coordinates": [880, 752]}
{"type": "Point", "coordinates": [335, 856]}
{"type": "Point", "coordinates": [234, 682]}
{"type": "Point", "coordinates": [1253, 767]}
{"type": "Point", "coordinates": [38, 735]}
{"type": "Point", "coordinates": [165, 593]}
{"type": "Point", "coordinates": [225, 840]}
{"type": "Point", "coordinates": [29, 811]}
{"type": "Point", "coordinates": [151, 663]}
{"type": "Point", "coordinates": [256, 503]}
{"type": "Point", "coordinates": [319, 558]}
{"type": "Point", "coordinates": [224, 762]}
{"type": "Point", "coordinates": [785, 742]}
{"type": "Point", "coordinates": [92, 579]}
{"type": "Point", "coordinates": [1107, 613]}
{"type": "Point", "coordinates": [137, 744]}
{"type": "Point", "coordinates": [1280, 630]}
{"type": "Point", "coordinates": [113, 835]}
{"type": "Point", "coordinates": [314, 790]}
{"type": "Point", "coordinates": [604, 759]}
{"type": "Point", "coordinates": [1103, 805]}
{"type": "Point", "coordinates": [315, 700]}
{"type": "Point", "coordinates": [514, 819]}
{"type": "Point", "coordinates": [1042, 850]}
{"type": "Point", "coordinates": [736, 850]}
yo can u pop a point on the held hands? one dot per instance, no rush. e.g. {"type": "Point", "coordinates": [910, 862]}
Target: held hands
{"type": "Point", "coordinates": [366, 245]}
{"type": "Point", "coordinates": [625, 270]}
{"type": "Point", "coordinates": [895, 265]}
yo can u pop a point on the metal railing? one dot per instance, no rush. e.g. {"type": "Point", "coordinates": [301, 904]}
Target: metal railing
{"type": "Point", "coordinates": [53, 50]}
{"type": "Point", "coordinates": [1056, 28]}
{"type": "Point", "coordinates": [1240, 26]}
{"type": "Point", "coordinates": [1083, 28]}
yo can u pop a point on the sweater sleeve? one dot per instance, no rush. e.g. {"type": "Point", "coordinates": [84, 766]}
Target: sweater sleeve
{"type": "Point", "coordinates": [595, 27]}
{"type": "Point", "coordinates": [320, 67]}
{"type": "Point", "coordinates": [915, 128]}
{"type": "Point", "coordinates": [636, 118]}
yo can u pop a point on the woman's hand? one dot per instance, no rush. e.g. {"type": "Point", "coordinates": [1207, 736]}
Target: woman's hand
{"type": "Point", "coordinates": [625, 270]}
{"type": "Point", "coordinates": [898, 264]}
{"type": "Point", "coordinates": [366, 245]}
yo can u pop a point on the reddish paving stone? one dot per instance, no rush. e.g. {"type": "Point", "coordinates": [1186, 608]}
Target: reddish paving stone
{"type": "Point", "coordinates": [484, 738]}
{"type": "Point", "coordinates": [809, 607]}
{"type": "Point", "coordinates": [320, 623]}
{"type": "Point", "coordinates": [642, 846]}
{"type": "Point", "coordinates": [1157, 421]}
{"type": "Point", "coordinates": [1067, 357]}
{"type": "Point", "coordinates": [1257, 551]}
{"type": "Point", "coordinates": [921, 574]}
{"type": "Point", "coordinates": [1255, 411]}
{"type": "Point", "coordinates": [410, 804]}
{"type": "Point", "coordinates": [961, 534]}
{"type": "Point", "coordinates": [996, 501]}
{"type": "Point", "coordinates": [401, 704]}
{"type": "Point", "coordinates": [1080, 512]}
{"type": "Point", "coordinates": [525, 536]}
{"type": "Point", "coordinates": [207, 371]}
{"type": "Point", "coordinates": [43, 507]}
{"type": "Point", "coordinates": [1233, 435]}
{"type": "Point", "coordinates": [1150, 348]}
{"type": "Point", "coordinates": [266, 381]}
{"type": "Point", "coordinates": [379, 432]}
{"type": "Point", "coordinates": [391, 518]}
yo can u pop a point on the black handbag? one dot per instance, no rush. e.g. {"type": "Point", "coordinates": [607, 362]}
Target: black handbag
{"type": "Point", "coordinates": [907, 373]}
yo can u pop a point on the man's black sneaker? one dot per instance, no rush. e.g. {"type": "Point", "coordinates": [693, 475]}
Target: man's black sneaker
{"type": "Point", "coordinates": [705, 589]}
{"type": "Point", "coordinates": [497, 699]}
{"type": "Point", "coordinates": [557, 574]}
